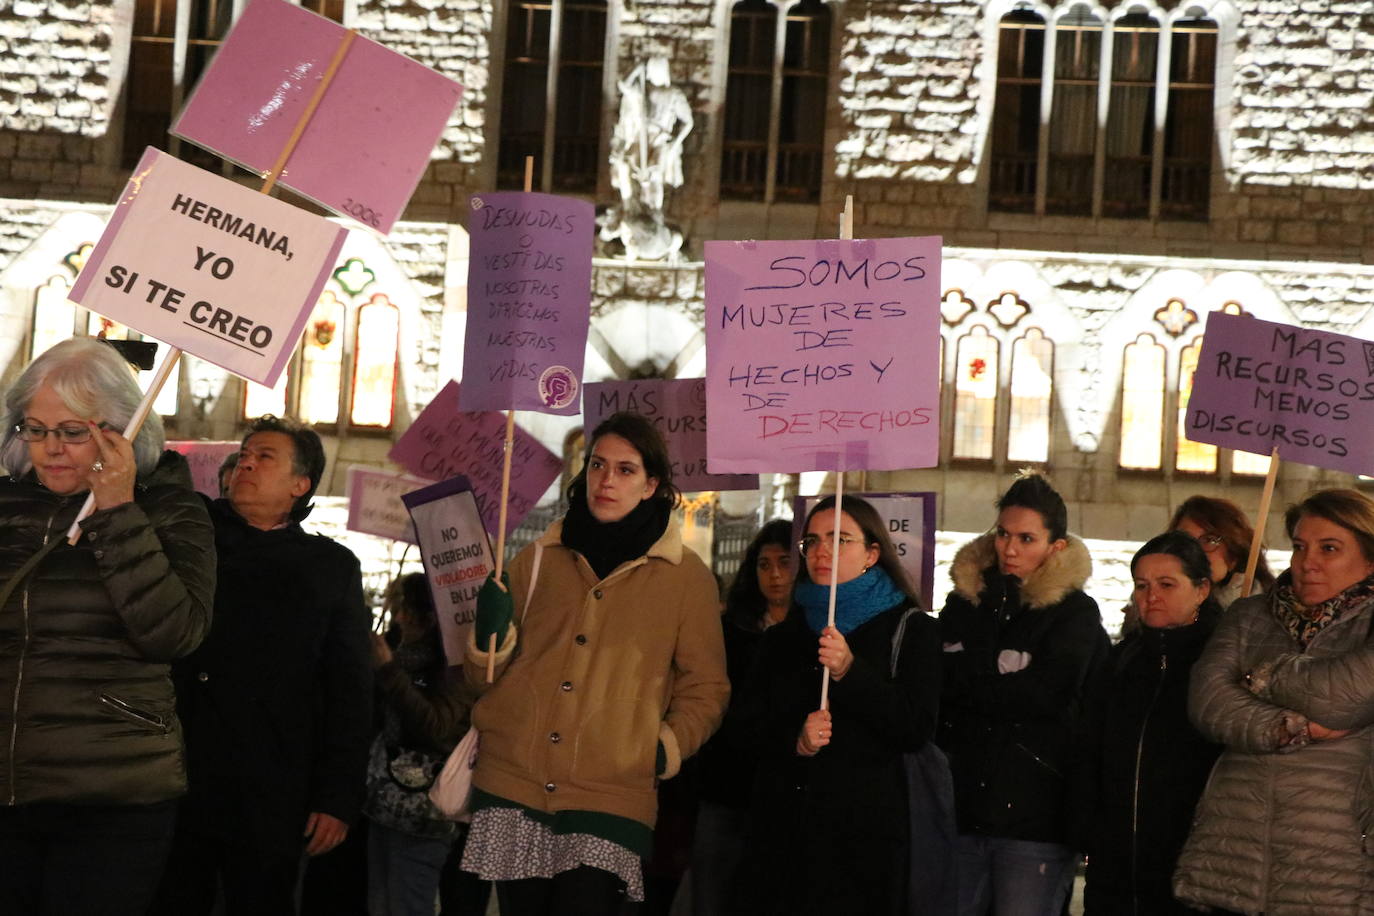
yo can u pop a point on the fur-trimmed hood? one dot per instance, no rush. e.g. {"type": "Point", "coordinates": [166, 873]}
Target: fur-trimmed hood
{"type": "Point", "coordinates": [1065, 571]}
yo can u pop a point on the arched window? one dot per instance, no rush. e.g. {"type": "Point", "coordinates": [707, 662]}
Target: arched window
{"type": "Point", "coordinates": [1131, 116]}
{"type": "Point", "coordinates": [551, 94]}
{"type": "Point", "coordinates": [1198, 457]}
{"type": "Point", "coordinates": [54, 315]}
{"type": "Point", "coordinates": [1073, 115]}
{"type": "Point", "coordinates": [1016, 126]}
{"type": "Point", "coordinates": [347, 365]}
{"type": "Point", "coordinates": [374, 363]}
{"type": "Point", "coordinates": [774, 118]}
{"type": "Point", "coordinates": [975, 395]}
{"type": "Point", "coordinates": [1142, 404]}
{"type": "Point", "coordinates": [1032, 387]}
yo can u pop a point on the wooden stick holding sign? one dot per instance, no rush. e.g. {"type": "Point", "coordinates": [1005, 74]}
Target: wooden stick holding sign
{"type": "Point", "coordinates": [507, 448]}
{"type": "Point", "coordinates": [846, 233]}
{"type": "Point", "coordinates": [1258, 539]}
{"type": "Point", "coordinates": [174, 353]}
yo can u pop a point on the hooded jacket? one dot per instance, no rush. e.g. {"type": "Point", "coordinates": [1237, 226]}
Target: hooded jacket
{"type": "Point", "coordinates": [1283, 832]}
{"type": "Point", "coordinates": [1017, 658]}
{"type": "Point", "coordinates": [597, 674]}
{"type": "Point", "coordinates": [87, 712]}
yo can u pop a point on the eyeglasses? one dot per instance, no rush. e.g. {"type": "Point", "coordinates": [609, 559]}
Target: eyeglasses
{"type": "Point", "coordinates": [812, 541]}
{"type": "Point", "coordinates": [66, 433]}
{"type": "Point", "coordinates": [1210, 542]}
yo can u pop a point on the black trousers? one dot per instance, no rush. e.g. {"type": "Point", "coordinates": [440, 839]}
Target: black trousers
{"type": "Point", "coordinates": [255, 882]}
{"type": "Point", "coordinates": [583, 891]}
{"type": "Point", "coordinates": [82, 860]}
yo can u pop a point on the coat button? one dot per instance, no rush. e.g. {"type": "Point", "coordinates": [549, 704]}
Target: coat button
{"type": "Point", "coordinates": [93, 535]}
{"type": "Point", "coordinates": [99, 554]}
{"type": "Point", "coordinates": [580, 639]}
{"type": "Point", "coordinates": [549, 787]}
{"type": "Point", "coordinates": [555, 737]}
{"type": "Point", "coordinates": [597, 594]}
{"type": "Point", "coordinates": [566, 685]}
{"type": "Point", "coordinates": [203, 676]}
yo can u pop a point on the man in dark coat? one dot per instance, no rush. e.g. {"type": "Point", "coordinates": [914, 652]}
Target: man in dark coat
{"type": "Point", "coordinates": [277, 701]}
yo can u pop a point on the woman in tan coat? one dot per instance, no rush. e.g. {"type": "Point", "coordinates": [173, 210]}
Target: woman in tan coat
{"type": "Point", "coordinates": [613, 672]}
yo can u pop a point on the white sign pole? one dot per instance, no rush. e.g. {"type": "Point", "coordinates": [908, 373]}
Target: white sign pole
{"type": "Point", "coordinates": [846, 233]}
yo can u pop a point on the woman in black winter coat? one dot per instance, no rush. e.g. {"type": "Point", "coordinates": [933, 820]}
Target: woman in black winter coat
{"type": "Point", "coordinates": [1021, 642]}
{"type": "Point", "coordinates": [759, 597]}
{"type": "Point", "coordinates": [830, 829]}
{"type": "Point", "coordinates": [1149, 763]}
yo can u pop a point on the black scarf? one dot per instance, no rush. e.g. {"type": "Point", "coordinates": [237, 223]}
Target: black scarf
{"type": "Point", "coordinates": [606, 545]}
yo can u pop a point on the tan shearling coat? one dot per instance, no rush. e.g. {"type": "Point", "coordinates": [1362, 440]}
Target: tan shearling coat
{"type": "Point", "coordinates": [599, 672]}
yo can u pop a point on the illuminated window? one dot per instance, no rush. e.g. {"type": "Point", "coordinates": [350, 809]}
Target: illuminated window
{"type": "Point", "coordinates": [347, 364]}
{"type": "Point", "coordinates": [556, 120]}
{"type": "Point", "coordinates": [1149, 157]}
{"type": "Point", "coordinates": [54, 315]}
{"type": "Point", "coordinates": [774, 118]}
{"type": "Point", "coordinates": [975, 395]}
{"type": "Point", "coordinates": [1142, 405]}
{"type": "Point", "coordinates": [1249, 463]}
{"type": "Point", "coordinates": [374, 364]}
{"type": "Point", "coordinates": [1198, 457]}
{"type": "Point", "coordinates": [1032, 385]}
{"type": "Point", "coordinates": [108, 328]}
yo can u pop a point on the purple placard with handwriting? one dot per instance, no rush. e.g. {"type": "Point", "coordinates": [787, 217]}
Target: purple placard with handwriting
{"type": "Point", "coordinates": [823, 355]}
{"type": "Point", "coordinates": [529, 300]}
{"type": "Point", "coordinates": [678, 408]}
{"type": "Point", "coordinates": [366, 145]}
{"type": "Point", "coordinates": [444, 442]}
{"type": "Point", "coordinates": [1261, 385]}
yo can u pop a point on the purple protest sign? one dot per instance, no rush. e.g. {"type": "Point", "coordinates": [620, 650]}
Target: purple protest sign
{"type": "Point", "coordinates": [1261, 385]}
{"type": "Point", "coordinates": [444, 442]}
{"type": "Point", "coordinates": [823, 355]}
{"type": "Point", "coordinates": [678, 408]}
{"type": "Point", "coordinates": [456, 554]}
{"type": "Point", "coordinates": [375, 503]}
{"type": "Point", "coordinates": [204, 457]}
{"type": "Point", "coordinates": [362, 153]}
{"type": "Point", "coordinates": [529, 299]}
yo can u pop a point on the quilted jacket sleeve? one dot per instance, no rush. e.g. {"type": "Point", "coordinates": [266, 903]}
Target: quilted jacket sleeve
{"type": "Point", "coordinates": [1219, 703]}
{"type": "Point", "coordinates": [156, 556]}
{"type": "Point", "coordinates": [1336, 691]}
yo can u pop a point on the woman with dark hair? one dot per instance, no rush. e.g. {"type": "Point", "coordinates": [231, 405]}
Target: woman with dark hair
{"type": "Point", "coordinates": [758, 597]}
{"type": "Point", "coordinates": [1021, 642]}
{"type": "Point", "coordinates": [1287, 685]}
{"type": "Point", "coordinates": [613, 672]}
{"type": "Point", "coordinates": [830, 829]}
{"type": "Point", "coordinates": [1147, 763]}
{"type": "Point", "coordinates": [424, 709]}
{"type": "Point", "coordinates": [92, 761]}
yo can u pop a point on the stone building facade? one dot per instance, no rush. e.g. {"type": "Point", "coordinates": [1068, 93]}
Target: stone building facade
{"type": "Point", "coordinates": [1128, 167]}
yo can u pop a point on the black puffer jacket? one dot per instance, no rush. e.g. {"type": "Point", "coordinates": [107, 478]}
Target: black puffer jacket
{"type": "Point", "coordinates": [1017, 659]}
{"type": "Point", "coordinates": [87, 713]}
{"type": "Point", "coordinates": [1146, 771]}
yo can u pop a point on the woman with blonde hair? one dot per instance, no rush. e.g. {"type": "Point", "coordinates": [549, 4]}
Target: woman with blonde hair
{"type": "Point", "coordinates": [1287, 685]}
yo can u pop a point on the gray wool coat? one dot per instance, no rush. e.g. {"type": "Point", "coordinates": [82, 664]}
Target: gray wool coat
{"type": "Point", "coordinates": [1284, 832]}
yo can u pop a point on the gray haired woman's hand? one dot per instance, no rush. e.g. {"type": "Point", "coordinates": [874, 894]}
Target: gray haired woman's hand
{"type": "Point", "coordinates": [112, 475]}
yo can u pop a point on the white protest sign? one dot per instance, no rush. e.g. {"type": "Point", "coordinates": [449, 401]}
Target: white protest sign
{"type": "Point", "coordinates": [910, 519]}
{"type": "Point", "coordinates": [375, 506]}
{"type": "Point", "coordinates": [210, 267]}
{"type": "Point", "coordinates": [456, 554]}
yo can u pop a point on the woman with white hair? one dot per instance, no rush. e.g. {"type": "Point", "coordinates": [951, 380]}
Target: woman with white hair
{"type": "Point", "coordinates": [90, 747]}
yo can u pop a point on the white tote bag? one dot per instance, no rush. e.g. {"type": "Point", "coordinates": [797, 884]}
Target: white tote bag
{"type": "Point", "coordinates": [452, 789]}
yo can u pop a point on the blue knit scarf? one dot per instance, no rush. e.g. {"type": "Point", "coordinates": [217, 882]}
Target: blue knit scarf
{"type": "Point", "coordinates": [856, 602]}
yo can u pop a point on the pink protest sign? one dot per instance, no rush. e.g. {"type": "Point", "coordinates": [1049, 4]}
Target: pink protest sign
{"type": "Point", "coordinates": [366, 145]}
{"type": "Point", "coordinates": [678, 408]}
{"type": "Point", "coordinates": [444, 442]}
{"type": "Point", "coordinates": [375, 506]}
{"type": "Point", "coordinates": [204, 458]}
{"type": "Point", "coordinates": [206, 265]}
{"type": "Point", "coordinates": [1259, 384]}
{"type": "Point", "coordinates": [822, 355]}
{"type": "Point", "coordinates": [529, 296]}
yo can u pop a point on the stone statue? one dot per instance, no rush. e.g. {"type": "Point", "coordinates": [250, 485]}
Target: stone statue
{"type": "Point", "coordinates": [646, 158]}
